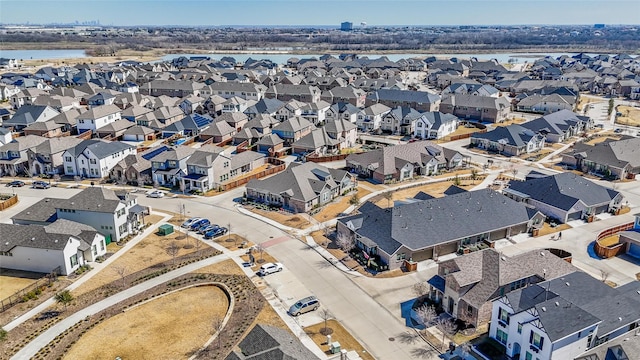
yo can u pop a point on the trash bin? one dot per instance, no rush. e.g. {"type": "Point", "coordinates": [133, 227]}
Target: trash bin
{"type": "Point", "coordinates": [165, 229]}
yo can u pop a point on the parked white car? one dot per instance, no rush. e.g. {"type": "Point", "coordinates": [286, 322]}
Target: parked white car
{"type": "Point", "coordinates": [189, 222]}
{"type": "Point", "coordinates": [155, 194]}
{"type": "Point", "coordinates": [269, 268]}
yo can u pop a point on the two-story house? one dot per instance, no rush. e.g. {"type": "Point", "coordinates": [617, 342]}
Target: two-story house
{"type": "Point", "coordinates": [400, 120]}
{"type": "Point", "coordinates": [14, 156]}
{"type": "Point", "coordinates": [343, 110]}
{"type": "Point", "coordinates": [293, 129]}
{"type": "Point", "coordinates": [435, 125]}
{"type": "Point", "coordinates": [97, 117]}
{"type": "Point", "coordinates": [171, 165]}
{"type": "Point", "coordinates": [47, 157]}
{"type": "Point", "coordinates": [370, 118]}
{"type": "Point", "coordinates": [342, 129]}
{"type": "Point", "coordinates": [94, 158]}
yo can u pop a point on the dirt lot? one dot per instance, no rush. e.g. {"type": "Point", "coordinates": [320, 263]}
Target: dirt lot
{"type": "Point", "coordinates": [339, 334]}
{"type": "Point", "coordinates": [298, 221]}
{"type": "Point", "coordinates": [511, 122]}
{"type": "Point", "coordinates": [433, 189]}
{"type": "Point", "coordinates": [170, 327]}
{"type": "Point", "coordinates": [148, 252]}
{"type": "Point", "coordinates": [13, 280]}
{"type": "Point", "coordinates": [630, 116]}
{"type": "Point", "coordinates": [233, 241]}
{"type": "Point", "coordinates": [338, 206]}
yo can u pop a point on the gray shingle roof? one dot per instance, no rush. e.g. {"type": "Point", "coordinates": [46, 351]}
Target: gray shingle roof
{"type": "Point", "coordinates": [403, 96]}
{"type": "Point", "coordinates": [564, 190]}
{"type": "Point", "coordinates": [265, 342]}
{"type": "Point", "coordinates": [100, 111]}
{"type": "Point", "coordinates": [53, 237]}
{"type": "Point", "coordinates": [514, 135]}
{"type": "Point", "coordinates": [96, 199]}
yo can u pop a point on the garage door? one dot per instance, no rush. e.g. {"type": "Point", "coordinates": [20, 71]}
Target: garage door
{"type": "Point", "coordinates": [634, 250]}
{"type": "Point", "coordinates": [602, 209]}
{"type": "Point", "coordinates": [447, 248]}
{"type": "Point", "coordinates": [574, 216]}
{"type": "Point", "coordinates": [423, 255]}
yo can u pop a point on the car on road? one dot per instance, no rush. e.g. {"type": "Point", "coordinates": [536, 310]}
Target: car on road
{"type": "Point", "coordinates": [198, 224]}
{"type": "Point", "coordinates": [618, 131]}
{"type": "Point", "coordinates": [40, 185]}
{"type": "Point", "coordinates": [16, 183]}
{"type": "Point", "coordinates": [214, 233]}
{"type": "Point", "coordinates": [190, 222]}
{"type": "Point", "coordinates": [310, 303]}
{"type": "Point", "coordinates": [269, 268]}
{"type": "Point", "coordinates": [155, 194]}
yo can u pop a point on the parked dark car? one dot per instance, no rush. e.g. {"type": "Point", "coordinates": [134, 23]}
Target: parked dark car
{"type": "Point", "coordinates": [197, 225]}
{"type": "Point", "coordinates": [16, 183]}
{"type": "Point", "coordinates": [204, 229]}
{"type": "Point", "coordinates": [40, 185]}
{"type": "Point", "coordinates": [214, 233]}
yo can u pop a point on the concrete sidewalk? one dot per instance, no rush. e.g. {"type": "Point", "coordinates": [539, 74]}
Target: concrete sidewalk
{"type": "Point", "coordinates": [43, 339]}
{"type": "Point", "coordinates": [97, 267]}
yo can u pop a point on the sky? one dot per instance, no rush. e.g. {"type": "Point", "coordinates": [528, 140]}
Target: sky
{"type": "Point", "coordinates": [322, 12]}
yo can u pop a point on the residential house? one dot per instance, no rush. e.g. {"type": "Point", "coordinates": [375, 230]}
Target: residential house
{"type": "Point", "coordinates": [138, 133]}
{"type": "Point", "coordinates": [210, 167]}
{"type": "Point", "coordinates": [370, 119]}
{"type": "Point", "coordinates": [170, 165]}
{"type": "Point", "coordinates": [546, 104]}
{"type": "Point", "coordinates": [465, 286]}
{"type": "Point", "coordinates": [7, 91]}
{"type": "Point", "coordinates": [47, 129]}
{"type": "Point", "coordinates": [564, 317]}
{"type": "Point", "coordinates": [402, 162]}
{"type": "Point", "coordinates": [342, 129]}
{"type": "Point", "coordinates": [101, 98]}
{"type": "Point", "coordinates": [62, 246]}
{"type": "Point", "coordinates": [435, 125]}
{"type": "Point", "coordinates": [614, 159]}
{"type": "Point", "coordinates": [26, 97]}
{"type": "Point", "coordinates": [173, 88]}
{"type": "Point", "coordinates": [401, 120]}
{"type": "Point", "coordinates": [270, 144]}
{"type": "Point", "coordinates": [565, 196]}
{"type": "Point", "coordinates": [60, 103]}
{"type": "Point", "coordinates": [135, 112]}
{"type": "Point", "coordinates": [269, 342]}
{"type": "Point", "coordinates": [432, 228]}
{"type": "Point", "coordinates": [136, 168]}
{"type": "Point", "coordinates": [290, 109]}
{"type": "Point", "coordinates": [14, 157]}
{"type": "Point", "coordinates": [315, 112]}
{"type": "Point", "coordinates": [293, 129]}
{"type": "Point", "coordinates": [236, 105]}
{"type": "Point", "coordinates": [419, 100]}
{"type": "Point", "coordinates": [46, 157]}
{"type": "Point", "coordinates": [229, 89]}
{"type": "Point", "coordinates": [191, 103]}
{"type": "Point", "coordinates": [344, 111]}
{"type": "Point", "coordinates": [317, 142]}
{"type": "Point", "coordinates": [301, 187]}
{"type": "Point", "coordinates": [619, 348]}
{"type": "Point", "coordinates": [5, 136]}
{"type": "Point", "coordinates": [68, 120]}
{"type": "Point", "coordinates": [219, 131]}
{"type": "Point", "coordinates": [511, 140]}
{"type": "Point", "coordinates": [346, 94]}
{"type": "Point", "coordinates": [560, 126]}
{"type": "Point", "coordinates": [287, 92]}
{"type": "Point", "coordinates": [478, 108]}
{"type": "Point", "coordinates": [190, 125]}
{"type": "Point", "coordinates": [94, 158]}
{"type": "Point", "coordinates": [29, 114]}
{"type": "Point", "coordinates": [112, 214]}
{"type": "Point", "coordinates": [264, 107]}
{"type": "Point", "coordinates": [97, 117]}
{"type": "Point", "coordinates": [236, 120]}
{"type": "Point", "coordinates": [470, 87]}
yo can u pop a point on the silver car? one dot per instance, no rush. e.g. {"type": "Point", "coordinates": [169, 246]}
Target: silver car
{"type": "Point", "coordinates": [310, 303]}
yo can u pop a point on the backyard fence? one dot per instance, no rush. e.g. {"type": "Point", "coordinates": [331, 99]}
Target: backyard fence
{"type": "Point", "coordinates": [11, 199]}
{"type": "Point", "coordinates": [266, 172]}
{"type": "Point", "coordinates": [29, 292]}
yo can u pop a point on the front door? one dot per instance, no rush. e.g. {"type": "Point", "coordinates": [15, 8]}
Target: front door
{"type": "Point", "coordinates": [450, 306]}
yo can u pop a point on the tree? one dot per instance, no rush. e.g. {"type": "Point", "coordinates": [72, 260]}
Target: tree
{"type": "Point", "coordinates": [346, 242]}
{"type": "Point", "coordinates": [611, 106]}
{"type": "Point", "coordinates": [77, 179]}
{"type": "Point", "coordinates": [64, 297]}
{"type": "Point", "coordinates": [447, 327]}
{"type": "Point", "coordinates": [604, 275]}
{"type": "Point", "coordinates": [355, 199]}
{"type": "Point", "coordinates": [3, 334]}
{"type": "Point", "coordinates": [389, 196]}
{"type": "Point", "coordinates": [121, 271]}
{"type": "Point", "coordinates": [474, 175]}
{"type": "Point", "coordinates": [260, 250]}
{"type": "Point", "coordinates": [456, 180]}
{"type": "Point", "coordinates": [181, 211]}
{"type": "Point", "coordinates": [198, 245]}
{"type": "Point", "coordinates": [420, 289]}
{"type": "Point", "coordinates": [173, 250]}
{"type": "Point", "coordinates": [325, 315]}
{"type": "Point", "coordinates": [56, 178]}
{"type": "Point", "coordinates": [217, 328]}
{"type": "Point", "coordinates": [427, 314]}
{"type": "Point", "coordinates": [513, 171]}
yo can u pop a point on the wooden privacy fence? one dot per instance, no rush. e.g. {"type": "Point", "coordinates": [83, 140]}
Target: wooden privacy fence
{"type": "Point", "coordinates": [266, 172]}
{"type": "Point", "coordinates": [321, 159]}
{"type": "Point", "coordinates": [605, 251]}
{"type": "Point", "coordinates": [30, 291]}
{"type": "Point", "coordinates": [5, 204]}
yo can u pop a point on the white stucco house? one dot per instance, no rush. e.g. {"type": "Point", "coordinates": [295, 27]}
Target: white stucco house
{"type": "Point", "coordinates": [94, 158]}
{"type": "Point", "coordinates": [435, 125]}
{"type": "Point", "coordinates": [62, 246]}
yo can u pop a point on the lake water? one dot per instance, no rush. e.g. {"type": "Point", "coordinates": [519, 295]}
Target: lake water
{"type": "Point", "coordinates": [279, 58]}
{"type": "Point", "coordinates": [42, 54]}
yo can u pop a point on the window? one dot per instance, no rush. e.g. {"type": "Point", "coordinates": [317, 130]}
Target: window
{"type": "Point", "coordinates": [94, 248]}
{"type": "Point", "coordinates": [67, 158]}
{"type": "Point", "coordinates": [503, 315]}
{"type": "Point", "coordinates": [519, 328]}
{"type": "Point", "coordinates": [401, 256]}
{"type": "Point", "coordinates": [469, 309]}
{"type": "Point", "coordinates": [528, 356]}
{"type": "Point", "coordinates": [501, 336]}
{"type": "Point", "coordinates": [101, 245]}
{"type": "Point", "coordinates": [73, 260]}
{"type": "Point", "coordinates": [536, 340]}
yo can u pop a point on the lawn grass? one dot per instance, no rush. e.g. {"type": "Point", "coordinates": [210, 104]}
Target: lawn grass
{"type": "Point", "coordinates": [11, 281]}
{"type": "Point", "coordinates": [630, 116]}
{"type": "Point", "coordinates": [436, 189]}
{"type": "Point", "coordinates": [298, 221]}
{"type": "Point", "coordinates": [339, 334]}
{"type": "Point", "coordinates": [170, 327]}
{"type": "Point", "coordinates": [338, 206]}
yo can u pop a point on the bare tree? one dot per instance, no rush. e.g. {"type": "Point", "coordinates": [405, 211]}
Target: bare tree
{"type": "Point", "coordinates": [121, 271]}
{"type": "Point", "coordinates": [56, 178]}
{"type": "Point", "coordinates": [217, 328]}
{"type": "Point", "coordinates": [325, 315]}
{"type": "Point", "coordinates": [389, 196]}
{"type": "Point", "coordinates": [181, 211]}
{"type": "Point", "coordinates": [474, 175]}
{"type": "Point", "coordinates": [427, 314]}
{"type": "Point", "coordinates": [198, 245]}
{"type": "Point", "coordinates": [172, 250]}
{"type": "Point", "coordinates": [447, 327]}
{"type": "Point", "coordinates": [229, 233]}
{"type": "Point", "coordinates": [346, 242]}
{"type": "Point", "coordinates": [77, 179]}
{"type": "Point", "coordinates": [260, 250]}
{"type": "Point", "coordinates": [604, 275]}
{"type": "Point", "coordinates": [420, 289]}
{"type": "Point", "coordinates": [513, 171]}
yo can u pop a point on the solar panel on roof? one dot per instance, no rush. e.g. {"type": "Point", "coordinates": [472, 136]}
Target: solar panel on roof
{"type": "Point", "coordinates": [200, 120]}
{"type": "Point", "coordinates": [154, 153]}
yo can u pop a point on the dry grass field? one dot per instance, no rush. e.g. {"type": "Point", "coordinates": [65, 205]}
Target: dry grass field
{"type": "Point", "coordinates": [12, 281]}
{"type": "Point", "coordinates": [433, 189]}
{"type": "Point", "coordinates": [148, 252]}
{"type": "Point", "coordinates": [339, 334]}
{"type": "Point", "coordinates": [338, 206]}
{"type": "Point", "coordinates": [630, 116]}
{"type": "Point", "coordinates": [170, 327]}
